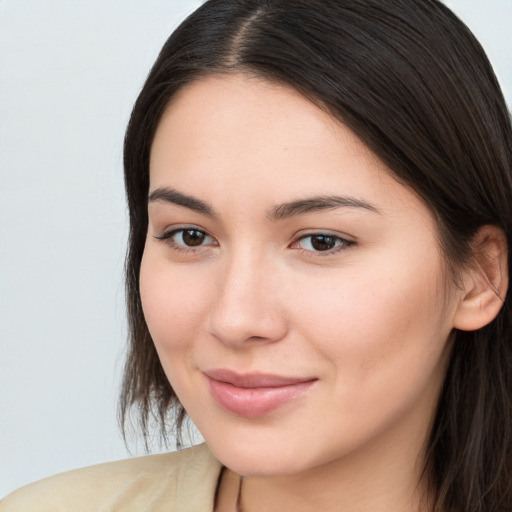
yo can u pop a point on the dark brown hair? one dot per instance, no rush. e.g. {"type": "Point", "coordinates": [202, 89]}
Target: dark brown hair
{"type": "Point", "coordinates": [413, 83]}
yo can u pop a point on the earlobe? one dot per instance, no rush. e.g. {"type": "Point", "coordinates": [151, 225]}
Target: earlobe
{"type": "Point", "coordinates": [485, 280]}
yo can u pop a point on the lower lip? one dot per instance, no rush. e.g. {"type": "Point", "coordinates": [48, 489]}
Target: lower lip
{"type": "Point", "coordinates": [255, 402]}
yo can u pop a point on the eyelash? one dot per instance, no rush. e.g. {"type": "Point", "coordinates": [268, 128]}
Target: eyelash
{"type": "Point", "coordinates": [168, 239]}
{"type": "Point", "coordinates": [342, 244]}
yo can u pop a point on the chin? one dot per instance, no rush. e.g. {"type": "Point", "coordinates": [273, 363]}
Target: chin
{"type": "Point", "coordinates": [259, 459]}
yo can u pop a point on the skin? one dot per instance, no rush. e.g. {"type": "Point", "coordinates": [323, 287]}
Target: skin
{"type": "Point", "coordinates": [370, 320]}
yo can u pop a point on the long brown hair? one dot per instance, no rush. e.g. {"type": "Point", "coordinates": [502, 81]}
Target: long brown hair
{"type": "Point", "coordinates": [413, 83]}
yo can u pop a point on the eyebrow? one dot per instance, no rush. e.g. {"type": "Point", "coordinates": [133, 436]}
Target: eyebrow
{"type": "Point", "coordinates": [170, 195]}
{"type": "Point", "coordinates": [278, 212]}
{"type": "Point", "coordinates": [317, 204]}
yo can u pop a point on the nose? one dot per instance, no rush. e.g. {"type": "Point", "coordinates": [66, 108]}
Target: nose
{"type": "Point", "coordinates": [248, 306]}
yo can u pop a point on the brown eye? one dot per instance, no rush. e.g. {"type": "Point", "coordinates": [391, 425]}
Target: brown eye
{"type": "Point", "coordinates": [323, 242]}
{"type": "Point", "coordinates": [193, 237]}
{"type": "Point", "coordinates": [187, 239]}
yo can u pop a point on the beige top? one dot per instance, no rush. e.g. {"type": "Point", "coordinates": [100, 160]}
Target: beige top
{"type": "Point", "coordinates": [183, 481]}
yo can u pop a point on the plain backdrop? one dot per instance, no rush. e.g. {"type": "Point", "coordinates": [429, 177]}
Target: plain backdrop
{"type": "Point", "coordinates": [69, 74]}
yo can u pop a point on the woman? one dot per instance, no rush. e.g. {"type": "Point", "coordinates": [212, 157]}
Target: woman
{"type": "Point", "coordinates": [318, 266]}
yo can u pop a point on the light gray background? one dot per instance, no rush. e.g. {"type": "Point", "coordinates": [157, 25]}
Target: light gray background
{"type": "Point", "coordinates": [69, 73]}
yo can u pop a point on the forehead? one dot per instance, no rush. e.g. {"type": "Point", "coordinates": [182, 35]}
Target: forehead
{"type": "Point", "coordinates": [243, 139]}
{"type": "Point", "coordinates": [251, 110]}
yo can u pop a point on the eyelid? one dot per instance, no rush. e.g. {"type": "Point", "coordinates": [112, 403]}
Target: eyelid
{"type": "Point", "coordinates": [346, 243]}
{"type": "Point", "coordinates": [169, 233]}
{"type": "Point", "coordinates": [173, 229]}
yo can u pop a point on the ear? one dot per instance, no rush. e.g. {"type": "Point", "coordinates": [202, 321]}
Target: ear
{"type": "Point", "coordinates": [485, 280]}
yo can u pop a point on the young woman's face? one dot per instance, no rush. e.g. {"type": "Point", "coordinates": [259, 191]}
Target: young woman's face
{"type": "Point", "coordinates": [295, 292]}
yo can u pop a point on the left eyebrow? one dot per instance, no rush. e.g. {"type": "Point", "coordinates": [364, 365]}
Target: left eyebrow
{"type": "Point", "coordinates": [317, 204]}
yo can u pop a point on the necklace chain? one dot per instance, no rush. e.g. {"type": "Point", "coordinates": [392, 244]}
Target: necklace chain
{"type": "Point", "coordinates": [239, 496]}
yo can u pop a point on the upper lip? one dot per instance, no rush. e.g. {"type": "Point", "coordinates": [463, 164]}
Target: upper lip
{"type": "Point", "coordinates": [253, 380]}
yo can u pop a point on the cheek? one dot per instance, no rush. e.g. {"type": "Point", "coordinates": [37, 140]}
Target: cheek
{"type": "Point", "coordinates": [382, 342]}
{"type": "Point", "coordinates": [173, 300]}
{"type": "Point", "coordinates": [375, 327]}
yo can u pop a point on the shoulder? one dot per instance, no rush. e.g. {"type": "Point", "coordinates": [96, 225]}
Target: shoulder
{"type": "Point", "coordinates": [186, 479]}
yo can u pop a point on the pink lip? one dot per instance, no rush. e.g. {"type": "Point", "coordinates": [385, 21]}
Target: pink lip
{"type": "Point", "coordinates": [253, 395]}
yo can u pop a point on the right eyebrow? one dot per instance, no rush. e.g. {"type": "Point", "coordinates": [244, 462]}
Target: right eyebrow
{"type": "Point", "coordinates": [170, 195]}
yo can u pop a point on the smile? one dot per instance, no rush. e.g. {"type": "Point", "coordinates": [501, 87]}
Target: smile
{"type": "Point", "coordinates": [254, 395]}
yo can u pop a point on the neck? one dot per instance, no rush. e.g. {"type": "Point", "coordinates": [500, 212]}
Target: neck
{"type": "Point", "coordinates": [331, 488]}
